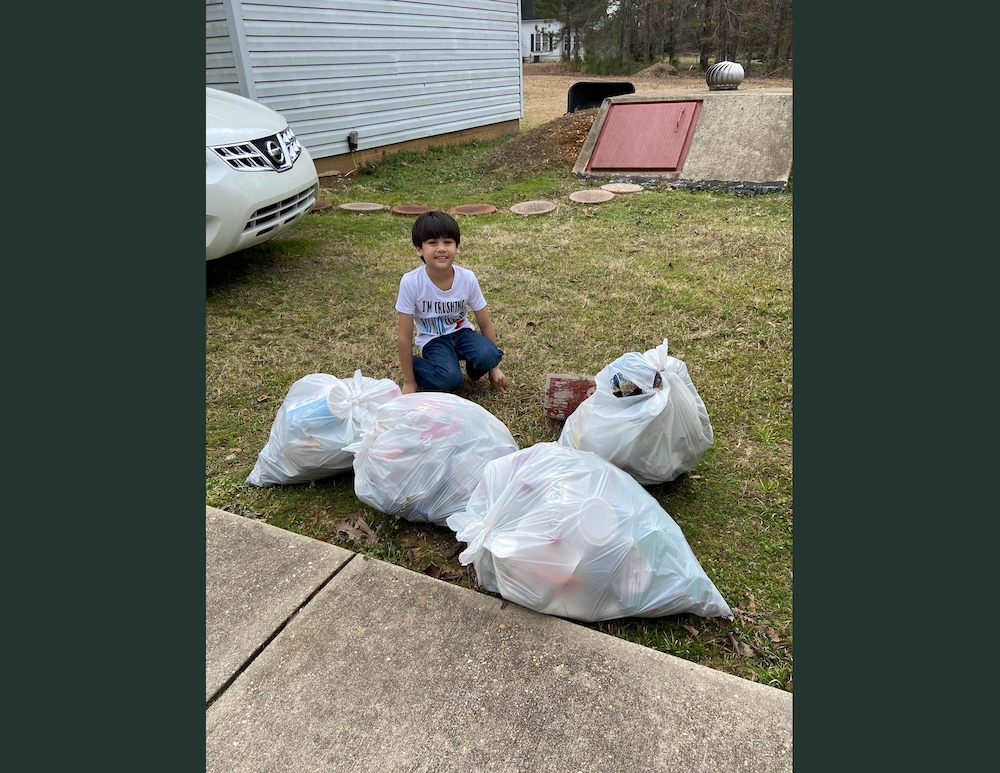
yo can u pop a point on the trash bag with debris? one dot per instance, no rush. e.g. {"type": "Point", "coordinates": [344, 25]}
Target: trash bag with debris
{"type": "Point", "coordinates": [319, 417]}
{"type": "Point", "coordinates": [422, 455]}
{"type": "Point", "coordinates": [646, 417]}
{"type": "Point", "coordinates": [566, 533]}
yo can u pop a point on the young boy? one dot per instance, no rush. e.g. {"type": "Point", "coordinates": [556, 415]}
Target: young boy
{"type": "Point", "coordinates": [435, 298]}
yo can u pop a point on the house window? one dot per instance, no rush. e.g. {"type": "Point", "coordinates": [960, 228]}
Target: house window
{"type": "Point", "coordinates": [543, 41]}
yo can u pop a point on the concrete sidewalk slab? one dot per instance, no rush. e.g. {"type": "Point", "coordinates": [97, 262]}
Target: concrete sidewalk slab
{"type": "Point", "coordinates": [388, 670]}
{"type": "Point", "coordinates": [256, 577]}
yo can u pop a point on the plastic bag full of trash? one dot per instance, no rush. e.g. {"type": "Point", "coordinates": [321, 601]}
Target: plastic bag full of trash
{"type": "Point", "coordinates": [566, 533]}
{"type": "Point", "coordinates": [423, 454]}
{"type": "Point", "coordinates": [645, 417]}
{"type": "Point", "coordinates": [319, 417]}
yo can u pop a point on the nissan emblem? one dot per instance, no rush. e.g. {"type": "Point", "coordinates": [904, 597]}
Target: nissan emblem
{"type": "Point", "coordinates": [274, 151]}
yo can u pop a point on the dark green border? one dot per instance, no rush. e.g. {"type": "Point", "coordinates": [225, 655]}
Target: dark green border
{"type": "Point", "coordinates": [873, 427]}
{"type": "Point", "coordinates": [104, 362]}
{"type": "Point", "coordinates": [105, 388]}
{"type": "Point", "coordinates": [136, 601]}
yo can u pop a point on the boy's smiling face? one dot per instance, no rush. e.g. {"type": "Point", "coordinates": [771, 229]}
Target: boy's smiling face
{"type": "Point", "coordinates": [438, 254]}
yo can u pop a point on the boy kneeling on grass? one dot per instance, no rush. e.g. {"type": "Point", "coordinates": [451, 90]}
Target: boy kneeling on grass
{"type": "Point", "coordinates": [435, 298]}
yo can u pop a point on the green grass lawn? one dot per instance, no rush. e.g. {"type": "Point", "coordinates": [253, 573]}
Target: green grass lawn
{"type": "Point", "coordinates": [568, 292]}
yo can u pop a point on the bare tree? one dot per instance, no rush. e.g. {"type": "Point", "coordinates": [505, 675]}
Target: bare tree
{"type": "Point", "coordinates": [707, 36]}
{"type": "Point", "coordinates": [781, 15]}
{"type": "Point", "coordinates": [672, 21]}
{"type": "Point", "coordinates": [628, 31]}
{"type": "Point", "coordinates": [648, 30]}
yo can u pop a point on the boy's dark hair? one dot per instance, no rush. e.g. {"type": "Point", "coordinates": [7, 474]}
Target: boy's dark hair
{"type": "Point", "coordinates": [435, 225]}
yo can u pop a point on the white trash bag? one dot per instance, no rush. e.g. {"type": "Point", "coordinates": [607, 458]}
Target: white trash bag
{"type": "Point", "coordinates": [319, 417]}
{"type": "Point", "coordinates": [424, 453]}
{"type": "Point", "coordinates": [645, 417]}
{"type": "Point", "coordinates": [566, 533]}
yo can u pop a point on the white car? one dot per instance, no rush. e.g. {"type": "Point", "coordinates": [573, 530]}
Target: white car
{"type": "Point", "coordinates": [259, 180]}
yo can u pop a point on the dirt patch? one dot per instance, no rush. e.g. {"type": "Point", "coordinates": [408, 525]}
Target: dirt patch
{"type": "Point", "coordinates": [660, 70]}
{"type": "Point", "coordinates": [554, 145]}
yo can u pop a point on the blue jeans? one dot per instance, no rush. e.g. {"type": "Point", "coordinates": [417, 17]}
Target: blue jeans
{"type": "Point", "coordinates": [438, 369]}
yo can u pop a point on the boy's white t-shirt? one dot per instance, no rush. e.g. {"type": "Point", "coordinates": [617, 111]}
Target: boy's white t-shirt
{"type": "Point", "coordinates": [437, 312]}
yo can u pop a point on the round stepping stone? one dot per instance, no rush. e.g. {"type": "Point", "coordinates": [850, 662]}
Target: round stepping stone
{"type": "Point", "coordinates": [591, 197]}
{"type": "Point", "coordinates": [622, 188]}
{"type": "Point", "coordinates": [362, 206]}
{"type": "Point", "coordinates": [413, 209]}
{"type": "Point", "coordinates": [473, 209]}
{"type": "Point", "coordinates": [533, 208]}
{"type": "Point", "coordinates": [319, 206]}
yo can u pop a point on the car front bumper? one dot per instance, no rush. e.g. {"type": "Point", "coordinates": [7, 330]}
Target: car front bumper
{"type": "Point", "coordinates": [244, 208]}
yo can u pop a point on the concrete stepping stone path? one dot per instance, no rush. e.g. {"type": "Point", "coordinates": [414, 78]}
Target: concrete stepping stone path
{"type": "Point", "coordinates": [622, 188]}
{"type": "Point", "coordinates": [533, 208]}
{"type": "Point", "coordinates": [473, 209]}
{"type": "Point", "coordinates": [413, 209]}
{"type": "Point", "coordinates": [362, 206]}
{"type": "Point", "coordinates": [591, 196]}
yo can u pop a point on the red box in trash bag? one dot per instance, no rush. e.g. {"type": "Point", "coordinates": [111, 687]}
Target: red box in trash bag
{"type": "Point", "coordinates": [564, 392]}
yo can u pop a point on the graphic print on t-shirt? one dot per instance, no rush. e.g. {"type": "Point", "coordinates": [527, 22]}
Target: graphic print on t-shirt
{"type": "Point", "coordinates": [447, 313]}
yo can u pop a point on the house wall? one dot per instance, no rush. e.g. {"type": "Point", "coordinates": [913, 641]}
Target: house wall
{"type": "Point", "coordinates": [536, 42]}
{"type": "Point", "coordinates": [394, 71]}
{"type": "Point", "coordinates": [220, 65]}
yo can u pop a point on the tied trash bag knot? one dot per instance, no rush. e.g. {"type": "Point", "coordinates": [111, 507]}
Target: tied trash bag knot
{"type": "Point", "coordinates": [347, 396]}
{"type": "Point", "coordinates": [475, 534]}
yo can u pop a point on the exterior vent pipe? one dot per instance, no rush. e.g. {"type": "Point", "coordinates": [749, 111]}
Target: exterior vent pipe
{"type": "Point", "coordinates": [723, 76]}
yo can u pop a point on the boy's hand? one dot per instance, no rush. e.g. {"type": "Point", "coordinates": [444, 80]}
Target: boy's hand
{"type": "Point", "coordinates": [498, 380]}
{"type": "Point", "coordinates": [409, 387]}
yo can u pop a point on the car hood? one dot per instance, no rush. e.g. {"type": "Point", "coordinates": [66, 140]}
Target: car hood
{"type": "Point", "coordinates": [231, 118]}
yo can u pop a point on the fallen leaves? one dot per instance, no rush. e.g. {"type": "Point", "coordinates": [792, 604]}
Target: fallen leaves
{"type": "Point", "coordinates": [740, 648]}
{"type": "Point", "coordinates": [359, 531]}
{"type": "Point", "coordinates": [441, 572]}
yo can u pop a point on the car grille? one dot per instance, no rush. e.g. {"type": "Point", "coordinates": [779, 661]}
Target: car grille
{"type": "Point", "coordinates": [270, 217]}
{"type": "Point", "coordinates": [276, 152]}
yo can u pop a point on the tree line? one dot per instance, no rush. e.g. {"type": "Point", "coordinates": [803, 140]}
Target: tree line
{"type": "Point", "coordinates": [626, 33]}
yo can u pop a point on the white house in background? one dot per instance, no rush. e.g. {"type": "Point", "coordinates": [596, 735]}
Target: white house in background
{"type": "Point", "coordinates": [541, 39]}
{"type": "Point", "coordinates": [403, 74]}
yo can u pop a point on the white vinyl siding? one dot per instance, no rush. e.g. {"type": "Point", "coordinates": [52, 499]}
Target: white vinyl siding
{"type": "Point", "coordinates": [220, 64]}
{"type": "Point", "coordinates": [392, 70]}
